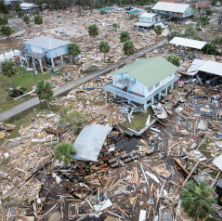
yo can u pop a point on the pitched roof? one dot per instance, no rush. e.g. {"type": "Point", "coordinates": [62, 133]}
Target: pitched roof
{"type": "Point", "coordinates": [46, 42]}
{"type": "Point", "coordinates": [149, 71]}
{"type": "Point", "coordinates": [148, 15]}
{"type": "Point", "coordinates": [172, 7]}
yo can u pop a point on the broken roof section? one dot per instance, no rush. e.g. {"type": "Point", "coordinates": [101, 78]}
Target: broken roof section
{"type": "Point", "coordinates": [188, 43]}
{"type": "Point", "coordinates": [149, 71]}
{"type": "Point", "coordinates": [46, 42]}
{"type": "Point", "coordinates": [90, 141]}
{"type": "Point", "coordinates": [210, 67]}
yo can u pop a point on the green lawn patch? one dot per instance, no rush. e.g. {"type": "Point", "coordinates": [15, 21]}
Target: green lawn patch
{"type": "Point", "coordinates": [90, 69]}
{"type": "Point", "coordinates": [138, 120]}
{"type": "Point", "coordinates": [181, 27]}
{"type": "Point", "coordinates": [22, 79]}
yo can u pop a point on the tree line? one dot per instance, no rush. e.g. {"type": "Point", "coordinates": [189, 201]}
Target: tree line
{"type": "Point", "coordinates": [63, 4]}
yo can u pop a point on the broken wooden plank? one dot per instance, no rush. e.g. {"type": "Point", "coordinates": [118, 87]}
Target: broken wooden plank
{"type": "Point", "coordinates": [188, 177]}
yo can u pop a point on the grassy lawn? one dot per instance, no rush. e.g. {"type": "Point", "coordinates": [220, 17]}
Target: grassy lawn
{"type": "Point", "coordinates": [138, 120]}
{"type": "Point", "coordinates": [90, 69]}
{"type": "Point", "coordinates": [22, 79]}
{"type": "Point", "coordinates": [181, 27]}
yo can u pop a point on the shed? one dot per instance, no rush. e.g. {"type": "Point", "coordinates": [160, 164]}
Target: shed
{"type": "Point", "coordinates": [90, 141]}
{"type": "Point", "coordinates": [133, 13]}
{"type": "Point", "coordinates": [173, 9]}
{"type": "Point", "coordinates": [50, 48]}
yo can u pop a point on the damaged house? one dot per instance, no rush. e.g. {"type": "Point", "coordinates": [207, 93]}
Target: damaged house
{"type": "Point", "coordinates": [148, 21]}
{"type": "Point", "coordinates": [173, 10]}
{"type": "Point", "coordinates": [45, 49]}
{"type": "Point", "coordinates": [142, 80]}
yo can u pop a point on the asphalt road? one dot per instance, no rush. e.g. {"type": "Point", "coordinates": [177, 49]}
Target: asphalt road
{"type": "Point", "coordinates": [20, 29]}
{"type": "Point", "coordinates": [64, 88]}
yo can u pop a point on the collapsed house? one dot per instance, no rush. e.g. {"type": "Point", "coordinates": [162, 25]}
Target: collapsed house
{"type": "Point", "coordinates": [142, 80]}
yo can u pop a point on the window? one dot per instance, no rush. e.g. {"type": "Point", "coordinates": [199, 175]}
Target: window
{"type": "Point", "coordinates": [150, 89]}
{"type": "Point", "coordinates": [157, 84]}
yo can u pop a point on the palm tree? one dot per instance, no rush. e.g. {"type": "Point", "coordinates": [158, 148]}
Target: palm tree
{"type": "Point", "coordinates": [128, 48]}
{"type": "Point", "coordinates": [44, 91]}
{"type": "Point", "coordinates": [158, 30]}
{"type": "Point", "coordinates": [64, 151]}
{"type": "Point", "coordinates": [197, 200]}
{"type": "Point", "coordinates": [198, 38]}
{"type": "Point", "coordinates": [124, 36]}
{"type": "Point", "coordinates": [8, 70]}
{"type": "Point", "coordinates": [149, 9]}
{"type": "Point", "coordinates": [93, 30]}
{"type": "Point", "coordinates": [104, 48]}
{"type": "Point", "coordinates": [74, 50]}
{"type": "Point", "coordinates": [115, 26]}
{"type": "Point", "coordinates": [174, 59]}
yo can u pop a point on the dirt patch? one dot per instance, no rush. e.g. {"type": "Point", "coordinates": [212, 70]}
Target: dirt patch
{"type": "Point", "coordinates": [9, 44]}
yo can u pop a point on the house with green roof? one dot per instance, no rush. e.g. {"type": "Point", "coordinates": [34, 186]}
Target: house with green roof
{"type": "Point", "coordinates": [142, 80]}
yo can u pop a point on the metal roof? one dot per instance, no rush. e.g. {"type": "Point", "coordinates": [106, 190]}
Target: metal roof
{"type": "Point", "coordinates": [106, 8]}
{"type": "Point", "coordinates": [218, 162]}
{"type": "Point", "coordinates": [188, 42]}
{"type": "Point", "coordinates": [148, 15]}
{"type": "Point", "coordinates": [90, 141]}
{"type": "Point", "coordinates": [171, 7]}
{"type": "Point", "coordinates": [144, 24]}
{"type": "Point", "coordinates": [133, 12]}
{"type": "Point", "coordinates": [46, 42]}
{"type": "Point", "coordinates": [28, 5]}
{"type": "Point", "coordinates": [194, 67]}
{"type": "Point", "coordinates": [212, 67]}
{"type": "Point", "coordinates": [149, 71]}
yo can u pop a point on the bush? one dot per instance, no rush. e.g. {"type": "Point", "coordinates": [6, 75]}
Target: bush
{"type": "Point", "coordinates": [20, 14]}
{"type": "Point", "coordinates": [38, 20]}
{"type": "Point", "coordinates": [26, 19]}
{"type": "Point", "coordinates": [36, 13]}
{"type": "Point", "coordinates": [220, 41]}
{"type": "Point", "coordinates": [197, 38]}
{"type": "Point", "coordinates": [210, 49]}
{"type": "Point", "coordinates": [3, 20]}
{"type": "Point", "coordinates": [189, 32]}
